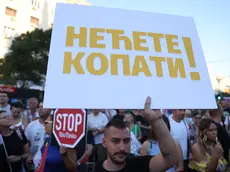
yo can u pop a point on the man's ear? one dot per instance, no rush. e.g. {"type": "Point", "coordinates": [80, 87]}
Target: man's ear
{"type": "Point", "coordinates": [104, 142]}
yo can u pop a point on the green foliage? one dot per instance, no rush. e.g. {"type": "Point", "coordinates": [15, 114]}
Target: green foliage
{"type": "Point", "coordinates": [1, 69]}
{"type": "Point", "coordinates": [26, 61]}
{"type": "Point", "coordinates": [223, 94]}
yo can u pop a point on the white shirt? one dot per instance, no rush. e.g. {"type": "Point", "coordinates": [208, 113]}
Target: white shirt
{"type": "Point", "coordinates": [35, 133]}
{"type": "Point", "coordinates": [97, 121]}
{"type": "Point", "coordinates": [7, 109]}
{"type": "Point", "coordinates": [179, 132]}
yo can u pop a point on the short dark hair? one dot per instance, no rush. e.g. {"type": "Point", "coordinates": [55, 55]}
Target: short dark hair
{"type": "Point", "coordinates": [196, 113]}
{"type": "Point", "coordinates": [116, 123]}
{"type": "Point", "coordinates": [215, 112]}
{"type": "Point", "coordinates": [17, 104]}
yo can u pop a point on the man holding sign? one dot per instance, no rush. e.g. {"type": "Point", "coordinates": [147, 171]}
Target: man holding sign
{"type": "Point", "coordinates": [117, 142]}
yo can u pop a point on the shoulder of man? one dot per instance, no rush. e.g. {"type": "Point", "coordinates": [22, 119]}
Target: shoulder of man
{"type": "Point", "coordinates": [219, 127]}
{"type": "Point", "coordinates": [102, 114]}
{"type": "Point", "coordinates": [222, 133]}
{"type": "Point", "coordinates": [32, 126]}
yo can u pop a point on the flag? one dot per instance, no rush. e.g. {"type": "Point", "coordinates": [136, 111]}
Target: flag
{"type": "Point", "coordinates": [85, 159]}
{"type": "Point", "coordinates": [41, 164]}
{"type": "Point", "coordinates": [1, 140]}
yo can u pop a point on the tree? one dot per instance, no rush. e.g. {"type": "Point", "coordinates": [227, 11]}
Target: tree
{"type": "Point", "coordinates": [26, 62]}
{"type": "Point", "coordinates": [1, 69]}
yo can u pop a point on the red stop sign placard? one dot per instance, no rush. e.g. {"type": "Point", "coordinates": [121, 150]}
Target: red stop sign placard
{"type": "Point", "coordinates": [69, 126]}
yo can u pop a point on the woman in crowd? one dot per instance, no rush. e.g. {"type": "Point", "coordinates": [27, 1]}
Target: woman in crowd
{"type": "Point", "coordinates": [14, 149]}
{"type": "Point", "coordinates": [207, 153]}
{"type": "Point", "coordinates": [150, 147]}
{"type": "Point", "coordinates": [59, 158]}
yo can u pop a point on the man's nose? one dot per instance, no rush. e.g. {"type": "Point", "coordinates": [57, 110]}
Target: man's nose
{"type": "Point", "coordinates": [121, 146]}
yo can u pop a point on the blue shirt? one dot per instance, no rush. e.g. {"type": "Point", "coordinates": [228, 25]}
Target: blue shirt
{"type": "Point", "coordinates": [54, 161]}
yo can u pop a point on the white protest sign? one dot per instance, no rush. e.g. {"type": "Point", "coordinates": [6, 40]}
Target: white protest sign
{"type": "Point", "coordinates": [113, 58]}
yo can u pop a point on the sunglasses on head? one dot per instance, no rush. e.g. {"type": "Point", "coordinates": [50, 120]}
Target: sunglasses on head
{"type": "Point", "coordinates": [48, 122]}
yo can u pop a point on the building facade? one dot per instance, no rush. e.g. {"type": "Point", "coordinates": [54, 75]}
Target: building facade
{"type": "Point", "coordinates": [20, 16]}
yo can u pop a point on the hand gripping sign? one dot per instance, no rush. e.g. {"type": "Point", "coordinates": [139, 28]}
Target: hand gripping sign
{"type": "Point", "coordinates": [69, 126]}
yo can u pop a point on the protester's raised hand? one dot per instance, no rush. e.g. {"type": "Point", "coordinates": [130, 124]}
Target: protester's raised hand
{"type": "Point", "coordinates": [63, 150]}
{"type": "Point", "coordinates": [149, 114]}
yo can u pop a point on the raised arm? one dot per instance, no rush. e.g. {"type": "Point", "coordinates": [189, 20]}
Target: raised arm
{"type": "Point", "coordinates": [180, 163]}
{"type": "Point", "coordinates": [69, 157]}
{"type": "Point", "coordinates": [169, 153]}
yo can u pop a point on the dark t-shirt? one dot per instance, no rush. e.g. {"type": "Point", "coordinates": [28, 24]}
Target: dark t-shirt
{"type": "Point", "coordinates": [14, 146]}
{"type": "Point", "coordinates": [224, 139]}
{"type": "Point", "coordinates": [133, 164]}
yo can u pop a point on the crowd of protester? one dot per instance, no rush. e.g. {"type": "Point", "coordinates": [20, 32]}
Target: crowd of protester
{"type": "Point", "coordinates": [186, 140]}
